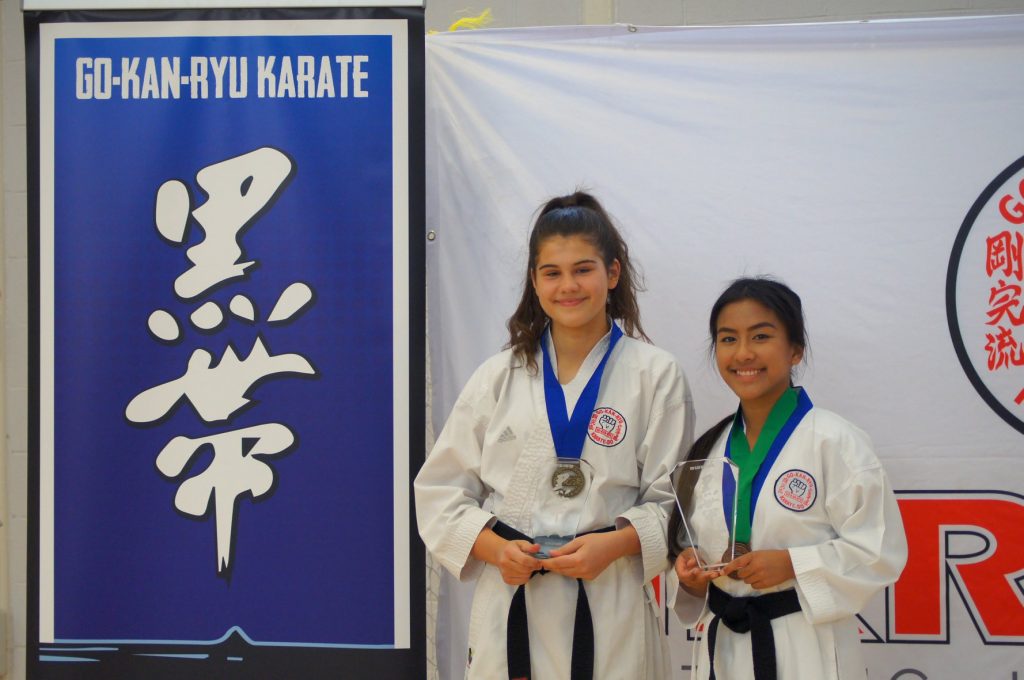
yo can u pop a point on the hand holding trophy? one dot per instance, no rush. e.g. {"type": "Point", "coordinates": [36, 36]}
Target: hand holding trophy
{"type": "Point", "coordinates": [705, 492]}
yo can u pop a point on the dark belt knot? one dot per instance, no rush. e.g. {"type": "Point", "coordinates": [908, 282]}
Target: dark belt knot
{"type": "Point", "coordinates": [752, 615]}
{"type": "Point", "coordinates": [517, 631]}
{"type": "Point", "coordinates": [737, 615]}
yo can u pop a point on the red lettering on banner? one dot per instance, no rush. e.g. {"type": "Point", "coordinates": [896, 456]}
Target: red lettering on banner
{"type": "Point", "coordinates": [1015, 213]}
{"type": "Point", "coordinates": [1003, 350]}
{"type": "Point", "coordinates": [989, 582]}
{"type": "Point", "coordinates": [1004, 253]}
{"type": "Point", "coordinates": [1001, 301]}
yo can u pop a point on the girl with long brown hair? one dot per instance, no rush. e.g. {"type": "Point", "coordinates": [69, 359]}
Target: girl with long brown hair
{"type": "Point", "coordinates": [549, 483]}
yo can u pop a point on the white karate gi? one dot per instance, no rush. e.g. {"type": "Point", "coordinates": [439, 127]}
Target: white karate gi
{"type": "Point", "coordinates": [845, 546]}
{"type": "Point", "coordinates": [492, 454]}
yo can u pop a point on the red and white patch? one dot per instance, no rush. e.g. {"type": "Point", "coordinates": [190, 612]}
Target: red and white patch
{"type": "Point", "coordinates": [796, 490]}
{"type": "Point", "coordinates": [607, 426]}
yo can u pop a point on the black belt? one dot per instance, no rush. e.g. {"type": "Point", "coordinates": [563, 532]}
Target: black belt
{"type": "Point", "coordinates": [750, 615]}
{"type": "Point", "coordinates": [518, 632]}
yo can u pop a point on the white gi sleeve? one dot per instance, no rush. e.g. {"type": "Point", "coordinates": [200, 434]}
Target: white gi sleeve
{"type": "Point", "coordinates": [668, 436]}
{"type": "Point", "coordinates": [448, 489]}
{"type": "Point", "coordinates": [688, 608]}
{"type": "Point", "coordinates": [836, 578]}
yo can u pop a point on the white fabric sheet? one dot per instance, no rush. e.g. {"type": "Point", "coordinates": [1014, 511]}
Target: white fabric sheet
{"type": "Point", "coordinates": [842, 158]}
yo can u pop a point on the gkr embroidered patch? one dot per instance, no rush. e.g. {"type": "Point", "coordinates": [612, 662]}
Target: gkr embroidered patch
{"type": "Point", "coordinates": [607, 426]}
{"type": "Point", "coordinates": [796, 490]}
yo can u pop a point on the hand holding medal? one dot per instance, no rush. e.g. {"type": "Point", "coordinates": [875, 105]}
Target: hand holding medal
{"type": "Point", "coordinates": [761, 568]}
{"type": "Point", "coordinates": [692, 577]}
{"type": "Point", "coordinates": [738, 549]}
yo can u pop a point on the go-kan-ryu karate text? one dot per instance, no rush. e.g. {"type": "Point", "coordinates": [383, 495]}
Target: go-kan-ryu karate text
{"type": "Point", "coordinates": [226, 77]}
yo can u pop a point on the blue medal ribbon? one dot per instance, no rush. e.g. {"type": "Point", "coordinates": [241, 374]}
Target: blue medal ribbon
{"type": "Point", "coordinates": [803, 406]}
{"type": "Point", "coordinates": [570, 433]}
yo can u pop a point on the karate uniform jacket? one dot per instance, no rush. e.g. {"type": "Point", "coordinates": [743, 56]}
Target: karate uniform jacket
{"type": "Point", "coordinates": [828, 501]}
{"type": "Point", "coordinates": [493, 456]}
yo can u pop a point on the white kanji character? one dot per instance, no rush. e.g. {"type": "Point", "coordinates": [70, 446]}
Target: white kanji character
{"type": "Point", "coordinates": [239, 189]}
{"type": "Point", "coordinates": [237, 468]}
{"type": "Point", "coordinates": [216, 392]}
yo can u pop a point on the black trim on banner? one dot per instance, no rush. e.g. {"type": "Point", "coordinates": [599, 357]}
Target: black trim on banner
{"type": "Point", "coordinates": [32, 168]}
{"type": "Point", "coordinates": [143, 5]}
{"type": "Point", "coordinates": [235, 656]}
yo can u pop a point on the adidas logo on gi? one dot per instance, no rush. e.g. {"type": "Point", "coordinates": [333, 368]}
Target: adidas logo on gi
{"type": "Point", "coordinates": [506, 435]}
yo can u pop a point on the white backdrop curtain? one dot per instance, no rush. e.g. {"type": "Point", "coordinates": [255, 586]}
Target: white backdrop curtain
{"type": "Point", "coordinates": [842, 158]}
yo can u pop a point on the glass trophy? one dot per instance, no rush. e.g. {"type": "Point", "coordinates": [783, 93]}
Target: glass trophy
{"type": "Point", "coordinates": [705, 493]}
{"type": "Point", "coordinates": [561, 501]}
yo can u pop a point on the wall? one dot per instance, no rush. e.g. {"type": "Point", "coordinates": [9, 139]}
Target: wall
{"type": "Point", "coordinates": [440, 15]}
{"type": "Point", "coordinates": [13, 344]}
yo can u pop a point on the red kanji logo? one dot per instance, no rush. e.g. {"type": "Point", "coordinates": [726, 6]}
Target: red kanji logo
{"type": "Point", "coordinates": [1002, 299]}
{"type": "Point", "coordinates": [1003, 349]}
{"type": "Point", "coordinates": [1003, 254]}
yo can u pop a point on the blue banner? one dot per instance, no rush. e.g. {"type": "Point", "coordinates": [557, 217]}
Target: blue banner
{"type": "Point", "coordinates": [223, 225]}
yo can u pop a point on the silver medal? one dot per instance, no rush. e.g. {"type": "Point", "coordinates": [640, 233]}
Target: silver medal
{"type": "Point", "coordinates": [567, 481]}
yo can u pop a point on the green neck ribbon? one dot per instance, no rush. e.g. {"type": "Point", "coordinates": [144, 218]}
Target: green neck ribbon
{"type": "Point", "coordinates": [750, 462]}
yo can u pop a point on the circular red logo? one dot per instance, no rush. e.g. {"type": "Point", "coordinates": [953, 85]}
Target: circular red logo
{"type": "Point", "coordinates": [607, 426]}
{"type": "Point", "coordinates": [796, 490]}
{"type": "Point", "coordinates": [985, 294]}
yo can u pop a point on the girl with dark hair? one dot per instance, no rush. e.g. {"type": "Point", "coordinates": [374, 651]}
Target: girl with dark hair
{"type": "Point", "coordinates": [817, 527]}
{"type": "Point", "coordinates": [577, 385]}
